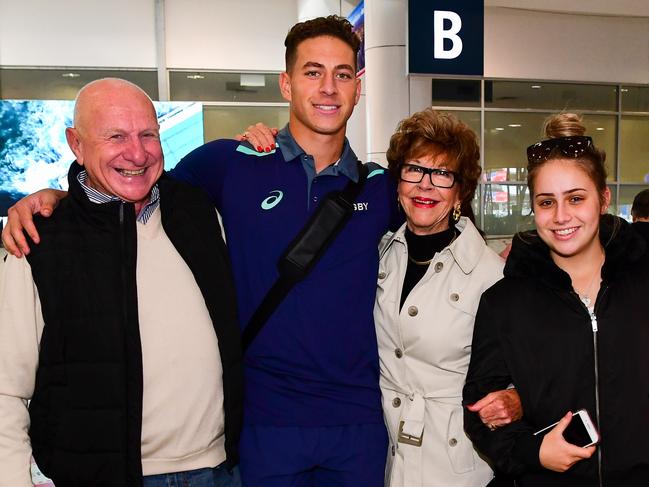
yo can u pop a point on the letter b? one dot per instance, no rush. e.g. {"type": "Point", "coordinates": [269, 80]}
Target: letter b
{"type": "Point", "coordinates": [439, 16]}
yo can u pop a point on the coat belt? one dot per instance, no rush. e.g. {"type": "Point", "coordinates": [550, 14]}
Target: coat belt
{"type": "Point", "coordinates": [411, 429]}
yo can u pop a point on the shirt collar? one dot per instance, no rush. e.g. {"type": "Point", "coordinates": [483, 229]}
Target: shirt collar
{"type": "Point", "coordinates": [98, 197]}
{"type": "Point", "coordinates": [347, 164]}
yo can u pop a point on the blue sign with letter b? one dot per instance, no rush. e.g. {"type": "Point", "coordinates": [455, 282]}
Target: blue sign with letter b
{"type": "Point", "coordinates": [446, 37]}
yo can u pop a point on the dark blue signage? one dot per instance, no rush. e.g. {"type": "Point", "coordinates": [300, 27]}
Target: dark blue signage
{"type": "Point", "coordinates": [446, 37]}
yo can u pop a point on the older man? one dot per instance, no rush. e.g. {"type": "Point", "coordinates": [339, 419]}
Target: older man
{"type": "Point", "coordinates": [120, 327]}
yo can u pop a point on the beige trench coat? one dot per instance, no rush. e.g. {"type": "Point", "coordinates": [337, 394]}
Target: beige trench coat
{"type": "Point", "coordinates": [424, 352]}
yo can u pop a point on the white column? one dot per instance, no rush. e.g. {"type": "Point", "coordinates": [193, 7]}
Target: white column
{"type": "Point", "coordinates": [386, 81]}
{"type": "Point", "coordinates": [161, 50]}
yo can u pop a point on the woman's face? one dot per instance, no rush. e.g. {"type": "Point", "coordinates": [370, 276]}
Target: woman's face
{"type": "Point", "coordinates": [567, 208]}
{"type": "Point", "coordinates": [427, 207]}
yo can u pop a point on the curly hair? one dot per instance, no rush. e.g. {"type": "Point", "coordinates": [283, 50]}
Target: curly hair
{"type": "Point", "coordinates": [432, 132]}
{"type": "Point", "coordinates": [332, 26]}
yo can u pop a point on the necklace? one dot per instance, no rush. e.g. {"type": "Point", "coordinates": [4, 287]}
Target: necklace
{"type": "Point", "coordinates": [421, 262]}
{"type": "Point", "coordinates": [585, 295]}
{"type": "Point", "coordinates": [427, 262]}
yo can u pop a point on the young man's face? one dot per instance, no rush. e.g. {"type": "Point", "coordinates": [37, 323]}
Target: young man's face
{"type": "Point", "coordinates": [321, 86]}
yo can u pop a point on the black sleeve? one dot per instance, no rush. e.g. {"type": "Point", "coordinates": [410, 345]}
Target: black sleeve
{"type": "Point", "coordinates": [513, 448]}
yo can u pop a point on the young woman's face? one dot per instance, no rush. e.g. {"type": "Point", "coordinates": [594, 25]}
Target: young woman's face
{"type": "Point", "coordinates": [567, 207]}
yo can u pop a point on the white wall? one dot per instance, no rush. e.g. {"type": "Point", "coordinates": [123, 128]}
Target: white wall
{"type": "Point", "coordinates": [77, 33]}
{"type": "Point", "coordinates": [228, 34]}
{"type": "Point", "coordinates": [558, 46]}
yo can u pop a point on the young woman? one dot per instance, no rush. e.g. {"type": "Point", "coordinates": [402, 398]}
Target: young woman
{"type": "Point", "coordinates": [569, 326]}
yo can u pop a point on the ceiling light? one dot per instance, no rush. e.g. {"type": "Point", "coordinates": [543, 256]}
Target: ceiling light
{"type": "Point", "coordinates": [499, 128]}
{"type": "Point", "coordinates": [70, 75]}
{"type": "Point", "coordinates": [624, 90]}
{"type": "Point", "coordinates": [536, 87]}
{"type": "Point", "coordinates": [195, 76]}
{"type": "Point", "coordinates": [514, 125]}
{"type": "Point", "coordinates": [599, 128]}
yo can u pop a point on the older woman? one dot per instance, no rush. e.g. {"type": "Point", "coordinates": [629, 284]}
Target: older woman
{"type": "Point", "coordinates": [432, 273]}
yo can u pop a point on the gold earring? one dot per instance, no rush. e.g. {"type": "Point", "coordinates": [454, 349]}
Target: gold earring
{"type": "Point", "coordinates": [457, 213]}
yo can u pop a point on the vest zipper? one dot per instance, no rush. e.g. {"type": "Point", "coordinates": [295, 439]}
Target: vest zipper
{"type": "Point", "coordinates": [122, 244]}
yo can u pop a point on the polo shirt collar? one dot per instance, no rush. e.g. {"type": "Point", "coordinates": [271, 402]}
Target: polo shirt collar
{"type": "Point", "coordinates": [347, 164]}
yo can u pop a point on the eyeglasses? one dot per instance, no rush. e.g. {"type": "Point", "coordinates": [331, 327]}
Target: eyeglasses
{"type": "Point", "coordinates": [573, 146]}
{"type": "Point", "coordinates": [441, 178]}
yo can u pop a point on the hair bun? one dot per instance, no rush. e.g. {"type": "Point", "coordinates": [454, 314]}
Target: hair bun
{"type": "Point", "coordinates": [563, 125]}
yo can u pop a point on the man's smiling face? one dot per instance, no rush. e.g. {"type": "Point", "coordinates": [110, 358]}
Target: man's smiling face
{"type": "Point", "coordinates": [321, 86]}
{"type": "Point", "coordinates": [116, 138]}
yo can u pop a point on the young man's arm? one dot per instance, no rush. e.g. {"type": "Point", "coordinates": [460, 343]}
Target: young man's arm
{"type": "Point", "coordinates": [21, 217]}
{"type": "Point", "coordinates": [21, 327]}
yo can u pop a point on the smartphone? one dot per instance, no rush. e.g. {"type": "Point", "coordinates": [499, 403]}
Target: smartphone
{"type": "Point", "coordinates": [581, 431]}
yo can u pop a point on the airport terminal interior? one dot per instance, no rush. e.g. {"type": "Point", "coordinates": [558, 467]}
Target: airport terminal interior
{"type": "Point", "coordinates": [214, 66]}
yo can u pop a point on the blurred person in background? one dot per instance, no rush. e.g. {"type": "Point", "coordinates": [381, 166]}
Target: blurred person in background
{"type": "Point", "coordinates": [640, 213]}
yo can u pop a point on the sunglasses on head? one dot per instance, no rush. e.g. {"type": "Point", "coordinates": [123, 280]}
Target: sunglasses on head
{"type": "Point", "coordinates": [573, 146]}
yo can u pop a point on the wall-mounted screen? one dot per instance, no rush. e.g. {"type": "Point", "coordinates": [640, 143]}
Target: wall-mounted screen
{"type": "Point", "coordinates": [34, 153]}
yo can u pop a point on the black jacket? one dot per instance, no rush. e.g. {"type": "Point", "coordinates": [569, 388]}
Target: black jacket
{"type": "Point", "coordinates": [642, 228]}
{"type": "Point", "coordinates": [533, 331]}
{"type": "Point", "coordinates": [86, 411]}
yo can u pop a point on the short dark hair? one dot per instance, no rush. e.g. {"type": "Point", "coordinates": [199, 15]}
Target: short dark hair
{"type": "Point", "coordinates": [333, 26]}
{"type": "Point", "coordinates": [432, 132]}
{"type": "Point", "coordinates": [640, 207]}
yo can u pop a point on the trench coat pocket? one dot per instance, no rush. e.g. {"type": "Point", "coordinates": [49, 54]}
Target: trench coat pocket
{"type": "Point", "coordinates": [458, 445]}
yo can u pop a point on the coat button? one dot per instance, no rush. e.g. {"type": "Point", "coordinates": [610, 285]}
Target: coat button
{"type": "Point", "coordinates": [396, 402]}
{"type": "Point", "coordinates": [452, 442]}
{"type": "Point", "coordinates": [455, 297]}
{"type": "Point", "coordinates": [393, 450]}
{"type": "Point", "coordinates": [398, 353]}
{"type": "Point", "coordinates": [382, 275]}
{"type": "Point", "coordinates": [412, 311]}
{"type": "Point", "coordinates": [438, 267]}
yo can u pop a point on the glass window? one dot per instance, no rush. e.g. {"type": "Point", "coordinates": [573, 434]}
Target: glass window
{"type": "Point", "coordinates": [63, 84]}
{"type": "Point", "coordinates": [508, 134]}
{"type": "Point", "coordinates": [613, 208]}
{"type": "Point", "coordinates": [234, 87]}
{"type": "Point", "coordinates": [627, 193]}
{"type": "Point", "coordinates": [550, 96]}
{"type": "Point", "coordinates": [507, 209]}
{"type": "Point", "coordinates": [472, 119]}
{"type": "Point", "coordinates": [456, 93]}
{"type": "Point", "coordinates": [635, 98]}
{"type": "Point", "coordinates": [225, 122]}
{"type": "Point", "coordinates": [634, 149]}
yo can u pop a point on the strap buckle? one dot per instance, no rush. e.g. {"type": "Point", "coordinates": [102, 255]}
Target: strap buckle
{"type": "Point", "coordinates": [409, 439]}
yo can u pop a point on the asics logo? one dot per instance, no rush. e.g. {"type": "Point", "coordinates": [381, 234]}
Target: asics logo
{"type": "Point", "coordinates": [273, 200]}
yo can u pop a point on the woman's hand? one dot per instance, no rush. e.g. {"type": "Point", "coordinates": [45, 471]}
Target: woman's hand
{"type": "Point", "coordinates": [260, 136]}
{"type": "Point", "coordinates": [498, 408]}
{"type": "Point", "coordinates": [556, 453]}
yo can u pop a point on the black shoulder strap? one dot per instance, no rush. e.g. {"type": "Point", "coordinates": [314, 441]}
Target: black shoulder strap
{"type": "Point", "coordinates": [306, 249]}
